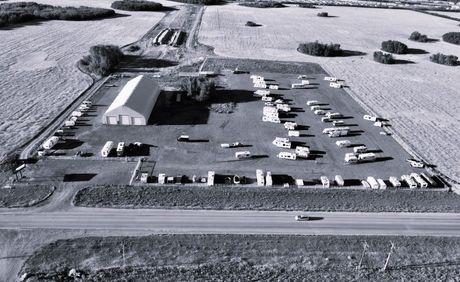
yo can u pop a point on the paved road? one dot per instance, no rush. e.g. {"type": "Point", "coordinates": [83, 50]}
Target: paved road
{"type": "Point", "coordinates": [237, 222]}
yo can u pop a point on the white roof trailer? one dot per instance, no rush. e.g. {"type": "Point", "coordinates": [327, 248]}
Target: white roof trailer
{"type": "Point", "coordinates": [394, 181]}
{"type": "Point", "coordinates": [50, 142]}
{"type": "Point", "coordinates": [382, 184]}
{"type": "Point", "coordinates": [428, 178]}
{"type": "Point", "coordinates": [303, 152]}
{"type": "Point", "coordinates": [330, 78]}
{"type": "Point", "coordinates": [211, 176]}
{"type": "Point", "coordinates": [335, 85]}
{"type": "Point", "coordinates": [106, 149]}
{"type": "Point", "coordinates": [420, 181]}
{"type": "Point", "coordinates": [287, 156]}
{"type": "Point", "coordinates": [298, 86]}
{"type": "Point", "coordinates": [325, 182]}
{"type": "Point", "coordinates": [260, 177]}
{"type": "Point", "coordinates": [290, 125]}
{"type": "Point", "coordinates": [339, 180]}
{"type": "Point", "coordinates": [120, 149]}
{"type": "Point", "coordinates": [410, 182]}
{"type": "Point", "coordinates": [312, 102]}
{"type": "Point", "coordinates": [374, 184]}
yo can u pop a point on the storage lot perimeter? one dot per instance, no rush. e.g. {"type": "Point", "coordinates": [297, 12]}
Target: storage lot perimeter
{"type": "Point", "coordinates": [208, 129]}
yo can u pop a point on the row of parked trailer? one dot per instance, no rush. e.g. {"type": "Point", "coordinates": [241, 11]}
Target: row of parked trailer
{"type": "Point", "coordinates": [413, 180]}
{"type": "Point", "coordinates": [53, 140]}
{"type": "Point", "coordinates": [173, 37]}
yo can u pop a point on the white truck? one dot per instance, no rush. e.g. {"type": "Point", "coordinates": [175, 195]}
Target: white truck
{"type": "Point", "coordinates": [335, 85]}
{"type": "Point", "coordinates": [343, 143]}
{"type": "Point", "coordinates": [106, 149]}
{"type": "Point", "coordinates": [339, 180]}
{"type": "Point", "coordinates": [287, 156]}
{"type": "Point", "coordinates": [242, 155]}
{"type": "Point", "coordinates": [360, 149]}
{"type": "Point", "coordinates": [394, 181]}
{"type": "Point", "coordinates": [330, 78]}
{"type": "Point", "coordinates": [372, 182]}
{"type": "Point", "coordinates": [325, 181]}
{"type": "Point", "coordinates": [260, 177]}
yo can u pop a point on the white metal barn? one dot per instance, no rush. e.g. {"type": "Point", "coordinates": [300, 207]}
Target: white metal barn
{"type": "Point", "coordinates": [134, 103]}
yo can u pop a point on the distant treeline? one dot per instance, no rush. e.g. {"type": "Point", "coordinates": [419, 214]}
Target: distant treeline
{"type": "Point", "coordinates": [201, 2]}
{"type": "Point", "coordinates": [263, 4]}
{"type": "Point", "coordinates": [138, 5]}
{"type": "Point", "coordinates": [21, 12]}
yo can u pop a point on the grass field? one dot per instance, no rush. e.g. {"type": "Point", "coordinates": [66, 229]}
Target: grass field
{"type": "Point", "coordinates": [24, 196]}
{"type": "Point", "coordinates": [252, 198]}
{"type": "Point", "coordinates": [246, 257]}
{"type": "Point", "coordinates": [38, 65]}
{"type": "Point", "coordinates": [421, 99]}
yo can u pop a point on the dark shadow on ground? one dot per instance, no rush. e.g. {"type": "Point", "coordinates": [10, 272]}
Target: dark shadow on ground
{"type": "Point", "coordinates": [280, 179]}
{"type": "Point", "coordinates": [68, 144]}
{"type": "Point", "coordinates": [133, 61]}
{"type": "Point", "coordinates": [350, 53]}
{"type": "Point", "coordinates": [77, 177]}
{"type": "Point", "coordinates": [416, 51]}
{"type": "Point", "coordinates": [403, 62]}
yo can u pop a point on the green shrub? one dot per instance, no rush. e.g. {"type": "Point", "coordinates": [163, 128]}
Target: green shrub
{"type": "Point", "coordinates": [103, 59]}
{"type": "Point", "coordinates": [452, 37]}
{"type": "Point", "coordinates": [320, 49]}
{"type": "Point", "coordinates": [383, 58]}
{"type": "Point", "coordinates": [449, 60]}
{"type": "Point", "coordinates": [417, 36]}
{"type": "Point", "coordinates": [393, 46]}
{"type": "Point", "coordinates": [21, 12]}
{"type": "Point", "coordinates": [137, 5]}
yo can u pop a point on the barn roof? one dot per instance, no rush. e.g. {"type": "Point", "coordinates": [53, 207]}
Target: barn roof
{"type": "Point", "coordinates": [138, 94]}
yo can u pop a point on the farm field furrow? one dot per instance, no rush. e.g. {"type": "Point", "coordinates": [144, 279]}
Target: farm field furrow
{"type": "Point", "coordinates": [421, 98]}
{"type": "Point", "coordinates": [38, 65]}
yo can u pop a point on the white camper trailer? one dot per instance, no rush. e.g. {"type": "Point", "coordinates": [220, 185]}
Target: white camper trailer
{"type": "Point", "coordinates": [243, 155]}
{"type": "Point", "coordinates": [211, 176]}
{"type": "Point", "coordinates": [294, 133]}
{"type": "Point", "coordinates": [395, 182]}
{"type": "Point", "coordinates": [343, 143]}
{"type": "Point", "coordinates": [329, 78]}
{"type": "Point", "coordinates": [302, 152]}
{"type": "Point", "coordinates": [335, 85]}
{"type": "Point", "coordinates": [106, 149]}
{"type": "Point", "coordinates": [325, 182]}
{"type": "Point", "coordinates": [382, 184]}
{"type": "Point", "coordinates": [50, 142]}
{"type": "Point", "coordinates": [120, 149]}
{"type": "Point", "coordinates": [374, 184]}
{"type": "Point", "coordinates": [260, 177]}
{"type": "Point", "coordinates": [312, 102]}
{"type": "Point", "coordinates": [287, 156]}
{"type": "Point", "coordinates": [268, 179]}
{"type": "Point", "coordinates": [339, 180]}
{"type": "Point", "coordinates": [290, 125]}
{"type": "Point", "coordinates": [298, 86]}
{"type": "Point", "coordinates": [282, 142]}
{"type": "Point", "coordinates": [420, 181]}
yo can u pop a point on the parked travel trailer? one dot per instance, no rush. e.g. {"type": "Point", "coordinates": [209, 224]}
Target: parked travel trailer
{"type": "Point", "coordinates": [294, 133]}
{"type": "Point", "coordinates": [343, 143]}
{"type": "Point", "coordinates": [410, 182]}
{"type": "Point", "coordinates": [366, 157]}
{"type": "Point", "coordinates": [282, 142]}
{"type": "Point", "coordinates": [106, 149]}
{"type": "Point", "coordinates": [273, 86]}
{"type": "Point", "coordinates": [312, 102]}
{"type": "Point", "coordinates": [319, 112]}
{"type": "Point", "coordinates": [302, 151]}
{"type": "Point", "coordinates": [50, 142]}
{"type": "Point", "coordinates": [290, 125]}
{"type": "Point", "coordinates": [339, 180]}
{"type": "Point", "coordinates": [260, 85]}
{"type": "Point", "coordinates": [298, 86]}
{"type": "Point", "coordinates": [261, 92]}
{"type": "Point", "coordinates": [267, 109]}
{"type": "Point", "coordinates": [161, 178]}
{"type": "Point", "coordinates": [382, 184]}
{"type": "Point", "coordinates": [76, 114]}
{"type": "Point", "coordinates": [302, 76]}
{"type": "Point", "coordinates": [374, 184]}
{"type": "Point", "coordinates": [360, 149]}
{"type": "Point", "coordinates": [87, 103]}
{"type": "Point", "coordinates": [260, 177]}
{"type": "Point", "coordinates": [279, 101]}
{"type": "Point", "coordinates": [120, 149]}
{"type": "Point", "coordinates": [299, 182]}
{"type": "Point", "coordinates": [326, 119]}
{"type": "Point", "coordinates": [267, 98]}
{"type": "Point", "coordinates": [394, 181]}
{"type": "Point", "coordinates": [420, 181]}
{"type": "Point", "coordinates": [325, 181]}
{"type": "Point", "coordinates": [211, 176]}
{"type": "Point", "coordinates": [334, 115]}
{"type": "Point", "coordinates": [243, 155]}
{"type": "Point", "coordinates": [365, 184]}
{"type": "Point", "coordinates": [283, 107]}
{"type": "Point", "coordinates": [287, 155]}
{"type": "Point", "coordinates": [329, 78]}
{"type": "Point", "coordinates": [305, 82]}
{"type": "Point", "coordinates": [415, 163]}
{"type": "Point", "coordinates": [338, 123]}
{"type": "Point", "coordinates": [335, 85]}
{"type": "Point", "coordinates": [69, 123]}
{"type": "Point", "coordinates": [269, 179]}
{"type": "Point", "coordinates": [271, 118]}
{"type": "Point", "coordinates": [338, 133]}
{"type": "Point", "coordinates": [369, 117]}
{"type": "Point", "coordinates": [428, 178]}
{"type": "Point", "coordinates": [144, 177]}
{"type": "Point", "coordinates": [315, 107]}
{"type": "Point", "coordinates": [351, 158]}
{"type": "Point", "coordinates": [74, 119]}
{"type": "Point", "coordinates": [230, 145]}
